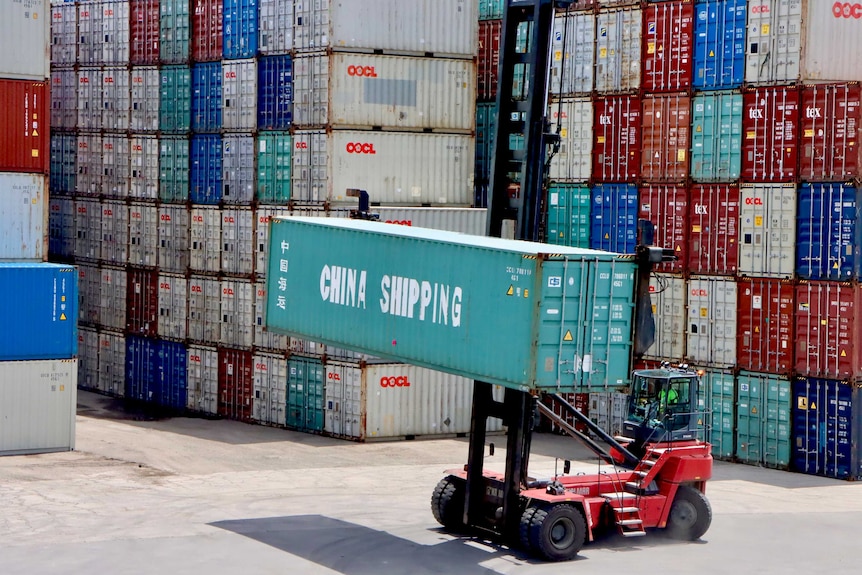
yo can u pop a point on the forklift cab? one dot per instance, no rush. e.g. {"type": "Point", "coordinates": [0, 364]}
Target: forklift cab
{"type": "Point", "coordinates": [663, 406]}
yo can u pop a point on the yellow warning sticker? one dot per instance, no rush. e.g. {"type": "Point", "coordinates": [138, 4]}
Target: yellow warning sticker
{"type": "Point", "coordinates": [603, 52]}
{"type": "Point", "coordinates": [62, 298]}
{"type": "Point", "coordinates": [563, 132]}
{"type": "Point", "coordinates": [835, 266]}
{"type": "Point", "coordinates": [809, 133]}
{"type": "Point", "coordinates": [679, 249]}
{"type": "Point", "coordinates": [35, 132]}
{"type": "Point", "coordinates": [695, 229]}
{"type": "Point", "coordinates": [526, 293]}
{"type": "Point", "coordinates": [680, 155]}
{"type": "Point", "coordinates": [764, 29]}
{"type": "Point", "coordinates": [600, 139]}
{"type": "Point", "coordinates": [558, 55]}
{"type": "Point", "coordinates": [750, 135]}
{"type": "Point", "coordinates": [753, 410]}
{"type": "Point", "coordinates": [757, 329]}
{"type": "Point", "coordinates": [62, 317]}
{"type": "Point", "coordinates": [34, 153]}
{"type": "Point", "coordinates": [712, 53]}
{"type": "Point", "coordinates": [704, 312]}
{"type": "Point", "coordinates": [843, 353]}
{"type": "Point", "coordinates": [62, 388]}
{"type": "Point", "coordinates": [813, 405]}
{"type": "Point", "coordinates": [650, 48]}
{"type": "Point", "coordinates": [568, 336]}
{"type": "Point", "coordinates": [758, 221]}
{"type": "Point", "coordinates": [511, 290]}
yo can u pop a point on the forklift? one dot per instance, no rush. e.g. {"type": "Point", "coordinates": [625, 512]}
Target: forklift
{"type": "Point", "coordinates": [659, 463]}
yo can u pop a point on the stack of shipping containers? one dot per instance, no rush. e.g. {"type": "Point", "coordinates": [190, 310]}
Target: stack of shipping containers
{"type": "Point", "coordinates": [38, 348]}
{"type": "Point", "coordinates": [183, 126]}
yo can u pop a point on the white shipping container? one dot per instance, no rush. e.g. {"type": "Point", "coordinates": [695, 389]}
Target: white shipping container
{"type": "Point", "coordinates": [38, 400]}
{"type": "Point", "coordinates": [64, 99]}
{"type": "Point", "coordinates": [173, 310]}
{"type": "Point", "coordinates": [264, 339]}
{"type": "Point", "coordinates": [711, 333]}
{"type": "Point", "coordinates": [237, 314]}
{"type": "Point", "coordinates": [574, 161]}
{"type": "Point", "coordinates": [104, 31]}
{"type": "Point", "coordinates": [146, 87]}
{"type": "Point", "coordinates": [618, 49]}
{"type": "Point", "coordinates": [205, 239]}
{"type": "Point", "coordinates": [115, 166]}
{"type": "Point", "coordinates": [202, 394]}
{"type": "Point", "coordinates": [607, 410]}
{"type": "Point", "coordinates": [270, 389]}
{"type": "Point", "coordinates": [263, 215]}
{"type": "Point", "coordinates": [88, 358]}
{"type": "Point", "coordinates": [88, 229]}
{"type": "Point", "coordinates": [396, 168]}
{"type": "Point", "coordinates": [64, 34]}
{"type": "Point", "coordinates": [204, 310]}
{"type": "Point", "coordinates": [61, 228]}
{"type": "Point", "coordinates": [115, 233]}
{"type": "Point", "coordinates": [173, 238]}
{"type": "Point", "coordinates": [668, 298]}
{"type": "Point", "coordinates": [572, 68]}
{"type": "Point", "coordinates": [393, 92]}
{"type": "Point", "coordinates": [87, 39]}
{"type": "Point", "coordinates": [767, 230]}
{"type": "Point", "coordinates": [238, 169]}
{"type": "Point", "coordinates": [143, 234]}
{"type": "Point", "coordinates": [116, 99]}
{"type": "Point", "coordinates": [112, 298]}
{"type": "Point", "coordinates": [441, 27]}
{"type": "Point", "coordinates": [23, 216]}
{"type": "Point", "coordinates": [471, 221]}
{"type": "Point", "coordinates": [239, 94]}
{"type": "Point", "coordinates": [89, 294]}
{"type": "Point", "coordinates": [26, 33]}
{"type": "Point", "coordinates": [89, 99]}
{"type": "Point", "coordinates": [275, 27]}
{"type": "Point", "coordinates": [88, 160]}
{"type": "Point", "coordinates": [112, 363]}
{"type": "Point", "coordinates": [237, 238]}
{"type": "Point", "coordinates": [144, 167]}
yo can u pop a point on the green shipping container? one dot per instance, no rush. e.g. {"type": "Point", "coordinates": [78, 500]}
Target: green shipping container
{"type": "Point", "coordinates": [486, 131]}
{"type": "Point", "coordinates": [491, 9]}
{"type": "Point", "coordinates": [500, 311]}
{"type": "Point", "coordinates": [763, 420]}
{"type": "Point", "coordinates": [174, 169]}
{"type": "Point", "coordinates": [175, 99]}
{"type": "Point", "coordinates": [273, 167]}
{"type": "Point", "coordinates": [716, 137]}
{"type": "Point", "coordinates": [568, 218]}
{"type": "Point", "coordinates": [305, 394]}
{"type": "Point", "coordinates": [174, 31]}
{"type": "Point", "coordinates": [718, 396]}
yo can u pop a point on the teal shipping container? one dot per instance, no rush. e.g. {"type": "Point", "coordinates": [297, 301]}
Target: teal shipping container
{"type": "Point", "coordinates": [763, 423]}
{"type": "Point", "coordinates": [718, 397]}
{"type": "Point", "coordinates": [175, 31]}
{"type": "Point", "coordinates": [491, 9]}
{"type": "Point", "coordinates": [716, 136]}
{"type": "Point", "coordinates": [486, 131]}
{"type": "Point", "coordinates": [273, 167]}
{"type": "Point", "coordinates": [175, 99]}
{"type": "Point", "coordinates": [174, 169]}
{"type": "Point", "coordinates": [568, 217]}
{"type": "Point", "coordinates": [305, 393]}
{"type": "Point", "coordinates": [501, 311]}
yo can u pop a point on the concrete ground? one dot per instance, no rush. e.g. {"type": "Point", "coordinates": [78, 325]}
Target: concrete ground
{"type": "Point", "coordinates": [195, 496]}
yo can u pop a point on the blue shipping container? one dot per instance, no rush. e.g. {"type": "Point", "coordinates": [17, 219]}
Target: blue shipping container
{"type": "Point", "coordinates": [614, 218]}
{"type": "Point", "coordinates": [172, 374]}
{"type": "Point", "coordinates": [39, 311]}
{"type": "Point", "coordinates": [719, 45]}
{"type": "Point", "coordinates": [206, 97]}
{"type": "Point", "coordinates": [828, 232]}
{"type": "Point", "coordinates": [239, 29]}
{"type": "Point", "coordinates": [274, 92]}
{"type": "Point", "coordinates": [826, 428]}
{"type": "Point", "coordinates": [141, 369]}
{"type": "Point", "coordinates": [206, 177]}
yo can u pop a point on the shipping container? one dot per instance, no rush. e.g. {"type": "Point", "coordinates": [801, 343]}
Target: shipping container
{"type": "Point", "coordinates": [716, 139]}
{"type": "Point", "coordinates": [827, 329]}
{"type": "Point", "coordinates": [573, 118]}
{"type": "Point", "coordinates": [274, 161]}
{"type": "Point", "coordinates": [712, 321]}
{"type": "Point", "coordinates": [442, 28]}
{"type": "Point", "coordinates": [765, 322]}
{"type": "Point", "coordinates": [64, 34]}
{"type": "Point", "coordinates": [112, 290]}
{"type": "Point", "coordinates": [205, 239]}
{"type": "Point", "coordinates": [41, 301]}
{"type": "Point", "coordinates": [88, 159]}
{"type": "Point", "coordinates": [64, 99]}
{"type": "Point", "coordinates": [275, 26]}
{"type": "Point", "coordinates": [462, 220]}
{"type": "Point", "coordinates": [172, 373]}
{"type": "Point", "coordinates": [207, 35]}
{"type": "Point", "coordinates": [144, 32]}
{"type": "Point", "coordinates": [263, 215]}
{"type": "Point", "coordinates": [829, 232]}
{"type": "Point", "coordinates": [115, 233]}
{"type": "Point", "coordinates": [175, 99]}
{"type": "Point", "coordinates": [270, 389]}
{"type": "Point", "coordinates": [826, 428]}
{"type": "Point", "coordinates": [175, 31]}
{"type": "Point", "coordinates": [206, 169]}
{"type": "Point", "coordinates": [237, 241]}
{"type": "Point", "coordinates": [714, 235]}
{"type": "Point", "coordinates": [274, 92]}
{"type": "Point", "coordinates": [23, 217]}
{"type": "Point", "coordinates": [103, 29]}
{"type": "Point", "coordinates": [491, 9]}
{"type": "Point", "coordinates": [142, 309]}
{"type": "Point", "coordinates": [719, 44]}
{"type": "Point", "coordinates": [146, 90]}
{"type": "Point", "coordinates": [237, 313]}
{"type": "Point", "coordinates": [487, 81]}
{"type": "Point", "coordinates": [397, 168]}
{"type": "Point", "coordinates": [763, 424]}
{"type": "Point", "coordinates": [829, 131]}
{"type": "Point", "coordinates": [238, 165]}
{"type": "Point", "coordinates": [240, 29]}
{"type": "Point", "coordinates": [770, 124]}
{"type": "Point", "coordinates": [572, 352]}
{"type": "Point", "coordinates": [235, 384]}
{"type": "Point", "coordinates": [173, 307]}
{"type": "Point", "coordinates": [486, 131]}
{"type": "Point", "coordinates": [668, 51]}
{"type": "Point", "coordinates": [202, 380]}
{"type": "Point", "coordinates": [142, 377]}
{"type": "Point", "coordinates": [668, 298]}
{"type": "Point", "coordinates": [608, 410]}
{"type": "Point", "coordinates": [143, 235]}
{"type": "Point", "coordinates": [88, 229]}
{"type": "Point", "coordinates": [112, 363]}
{"type": "Point", "coordinates": [614, 218]}
{"type": "Point", "coordinates": [305, 391]}
{"type": "Point", "coordinates": [25, 139]}
{"type": "Point", "coordinates": [64, 168]}
{"type": "Point", "coordinates": [666, 137]}
{"type": "Point", "coordinates": [718, 392]}
{"type": "Point", "coordinates": [89, 295]}
{"type": "Point", "coordinates": [767, 230]}
{"type": "Point", "coordinates": [174, 166]}
{"type": "Point", "coordinates": [617, 144]}
{"type": "Point", "coordinates": [207, 97]}
{"type": "Point", "coordinates": [239, 94]}
{"type": "Point", "coordinates": [263, 338]}
{"type": "Point", "coordinates": [667, 208]}
{"type": "Point", "coordinates": [204, 309]}
{"type": "Point", "coordinates": [88, 358]}
{"type": "Point", "coordinates": [90, 100]}
{"type": "Point", "coordinates": [572, 62]}
{"type": "Point", "coordinates": [618, 49]}
{"type": "Point", "coordinates": [173, 251]}
{"type": "Point", "coordinates": [580, 401]}
{"type": "Point", "coordinates": [116, 166]}
{"type": "Point", "coordinates": [38, 400]}
{"type": "Point", "coordinates": [61, 229]}
{"type": "Point", "coordinates": [144, 167]}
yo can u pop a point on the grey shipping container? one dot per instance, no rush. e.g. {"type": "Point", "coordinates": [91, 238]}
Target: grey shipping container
{"type": "Point", "coordinates": [145, 94]}
{"type": "Point", "coordinates": [23, 216]}
{"type": "Point", "coordinates": [239, 95]}
{"type": "Point", "coordinates": [202, 382]}
{"type": "Point", "coordinates": [237, 241]}
{"type": "Point", "coordinates": [112, 298]}
{"type": "Point", "coordinates": [204, 309]}
{"type": "Point", "coordinates": [112, 363]}
{"type": "Point", "coordinates": [143, 234]}
{"type": "Point", "coordinates": [573, 57]}
{"type": "Point", "coordinates": [25, 29]}
{"type": "Point", "coordinates": [238, 168]}
{"type": "Point", "coordinates": [173, 238]}
{"type": "Point", "coordinates": [618, 49]}
{"type": "Point", "coordinates": [205, 239]}
{"type": "Point", "coordinates": [64, 99]}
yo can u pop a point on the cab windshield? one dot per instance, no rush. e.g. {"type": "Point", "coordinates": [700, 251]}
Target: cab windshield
{"type": "Point", "coordinates": [658, 400]}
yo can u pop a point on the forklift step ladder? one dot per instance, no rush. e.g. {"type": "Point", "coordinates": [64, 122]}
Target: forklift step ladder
{"type": "Point", "coordinates": [645, 473]}
{"type": "Point", "coordinates": [627, 513]}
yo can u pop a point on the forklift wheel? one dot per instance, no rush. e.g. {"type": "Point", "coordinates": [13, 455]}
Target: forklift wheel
{"type": "Point", "coordinates": [447, 503]}
{"type": "Point", "coordinates": [690, 514]}
{"type": "Point", "coordinates": [524, 530]}
{"type": "Point", "coordinates": [558, 532]}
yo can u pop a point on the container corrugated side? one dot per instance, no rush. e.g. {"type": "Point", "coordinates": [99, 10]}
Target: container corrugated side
{"type": "Point", "coordinates": [174, 162]}
{"type": "Point", "coordinates": [568, 215]}
{"type": "Point", "coordinates": [767, 230]}
{"type": "Point", "coordinates": [175, 99]}
{"type": "Point", "coordinates": [765, 321]}
{"type": "Point", "coordinates": [828, 330]}
{"type": "Point", "coordinates": [617, 139]}
{"type": "Point", "coordinates": [41, 301]}
{"type": "Point", "coordinates": [64, 34]}
{"type": "Point", "coordinates": [88, 358]}
{"type": "Point", "coordinates": [618, 49]}
{"type": "Point", "coordinates": [202, 379]}
{"type": "Point", "coordinates": [237, 169]}
{"type": "Point", "coordinates": [207, 30]}
{"type": "Point", "coordinates": [174, 31]}
{"type": "Point", "coordinates": [669, 299]}
{"type": "Point", "coordinates": [270, 389]}
{"type": "Point", "coordinates": [712, 321]}
{"type": "Point", "coordinates": [274, 161]}
{"type": "Point", "coordinates": [173, 306]}
{"type": "Point", "coordinates": [406, 304]}
{"type": "Point", "coordinates": [237, 241]}
{"type": "Point", "coordinates": [716, 136]}
{"type": "Point", "coordinates": [770, 142]}
{"type": "Point", "coordinates": [173, 250]}
{"type": "Point", "coordinates": [64, 99]}
{"type": "Point", "coordinates": [719, 398]}
{"type": "Point", "coordinates": [667, 208]}
{"type": "Point", "coordinates": [235, 384]}
{"type": "Point", "coordinates": [714, 233]}
{"type": "Point", "coordinates": [572, 61]}
{"type": "Point", "coordinates": [275, 28]}
{"type": "Point", "coordinates": [23, 217]}
{"type": "Point", "coordinates": [25, 29]}
{"type": "Point", "coordinates": [719, 44]}
{"type": "Point", "coordinates": [25, 139]}
{"type": "Point", "coordinates": [240, 28]}
{"type": "Point", "coordinates": [61, 229]}
{"type": "Point", "coordinates": [146, 86]}
{"type": "Point", "coordinates": [666, 137]}
{"type": "Point", "coordinates": [206, 110]}
{"type": "Point", "coordinates": [574, 118]}
{"type": "Point", "coordinates": [38, 400]}
{"type": "Point", "coordinates": [144, 32]}
{"type": "Point", "coordinates": [829, 232]}
{"type": "Point", "coordinates": [829, 131]}
{"type": "Point", "coordinates": [489, 59]}
{"type": "Point", "coordinates": [239, 95]}
{"type": "Point", "coordinates": [614, 217]}
{"type": "Point", "coordinates": [763, 423]}
{"type": "Point", "coordinates": [668, 29]}
{"type": "Point", "coordinates": [112, 363]}
{"type": "Point", "coordinates": [462, 220]}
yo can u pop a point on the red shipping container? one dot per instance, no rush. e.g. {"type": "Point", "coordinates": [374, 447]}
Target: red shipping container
{"type": "Point", "coordinates": [667, 208]}
{"type": "Point", "coordinates": [24, 134]}
{"type": "Point", "coordinates": [666, 137]}
{"type": "Point", "coordinates": [235, 384]}
{"type": "Point", "coordinates": [770, 139]}
{"type": "Point", "coordinates": [142, 302]}
{"type": "Point", "coordinates": [617, 139]}
{"type": "Point", "coordinates": [489, 58]}
{"type": "Point", "coordinates": [714, 229]}
{"type": "Point", "coordinates": [829, 132]}
{"type": "Point", "coordinates": [765, 325]}
{"type": "Point", "coordinates": [580, 401]}
{"type": "Point", "coordinates": [828, 335]}
{"type": "Point", "coordinates": [144, 31]}
{"type": "Point", "coordinates": [207, 30]}
{"type": "Point", "coordinates": [668, 46]}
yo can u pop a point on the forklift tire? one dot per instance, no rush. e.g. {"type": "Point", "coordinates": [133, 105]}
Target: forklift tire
{"type": "Point", "coordinates": [447, 503]}
{"type": "Point", "coordinates": [524, 529]}
{"type": "Point", "coordinates": [690, 514]}
{"type": "Point", "coordinates": [558, 532]}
